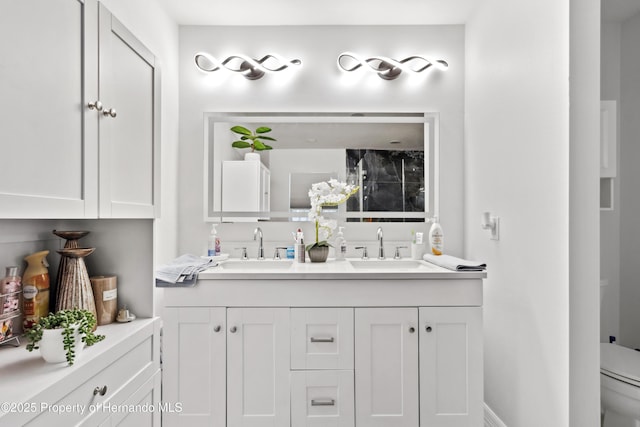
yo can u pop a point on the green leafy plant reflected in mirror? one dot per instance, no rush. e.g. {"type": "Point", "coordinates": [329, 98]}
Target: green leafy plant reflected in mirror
{"type": "Point", "coordinates": [253, 140]}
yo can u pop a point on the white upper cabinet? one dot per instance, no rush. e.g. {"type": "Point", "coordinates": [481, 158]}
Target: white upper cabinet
{"type": "Point", "coordinates": [129, 124]}
{"type": "Point", "coordinates": [46, 133]}
{"type": "Point", "coordinates": [63, 158]}
{"type": "Point", "coordinates": [245, 188]}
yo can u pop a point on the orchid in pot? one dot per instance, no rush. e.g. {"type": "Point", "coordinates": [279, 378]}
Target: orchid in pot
{"type": "Point", "coordinates": [326, 193]}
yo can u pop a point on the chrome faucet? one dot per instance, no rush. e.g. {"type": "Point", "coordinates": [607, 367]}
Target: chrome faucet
{"type": "Point", "coordinates": [381, 240]}
{"type": "Point", "coordinates": [258, 233]}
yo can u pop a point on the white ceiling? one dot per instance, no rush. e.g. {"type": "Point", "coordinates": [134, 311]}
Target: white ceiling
{"type": "Point", "coordinates": [345, 12]}
{"type": "Point", "coordinates": [325, 12]}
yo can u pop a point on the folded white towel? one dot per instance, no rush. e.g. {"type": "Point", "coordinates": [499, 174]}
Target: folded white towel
{"type": "Point", "coordinates": [453, 263]}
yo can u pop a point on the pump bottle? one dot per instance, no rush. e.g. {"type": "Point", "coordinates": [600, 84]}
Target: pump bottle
{"type": "Point", "coordinates": [436, 238]}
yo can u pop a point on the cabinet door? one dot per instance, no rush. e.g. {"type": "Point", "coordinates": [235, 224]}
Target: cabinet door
{"type": "Point", "coordinates": [386, 367]}
{"type": "Point", "coordinates": [451, 392]}
{"type": "Point", "coordinates": [129, 136]}
{"type": "Point", "coordinates": [194, 366]}
{"type": "Point", "coordinates": [48, 136]}
{"type": "Point", "coordinates": [258, 367]}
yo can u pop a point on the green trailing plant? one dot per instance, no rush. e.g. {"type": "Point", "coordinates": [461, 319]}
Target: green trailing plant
{"type": "Point", "coordinates": [66, 321]}
{"type": "Point", "coordinates": [254, 140]}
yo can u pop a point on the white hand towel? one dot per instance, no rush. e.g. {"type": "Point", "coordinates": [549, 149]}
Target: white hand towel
{"type": "Point", "coordinates": [453, 263]}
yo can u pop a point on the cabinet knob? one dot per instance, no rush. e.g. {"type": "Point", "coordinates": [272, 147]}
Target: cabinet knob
{"type": "Point", "coordinates": [100, 390]}
{"type": "Point", "coordinates": [111, 112]}
{"type": "Point", "coordinates": [233, 329]}
{"type": "Point", "coordinates": [95, 105]}
{"type": "Point", "coordinates": [428, 328]}
{"type": "Point", "coordinates": [412, 329]}
{"type": "Point", "coordinates": [217, 328]}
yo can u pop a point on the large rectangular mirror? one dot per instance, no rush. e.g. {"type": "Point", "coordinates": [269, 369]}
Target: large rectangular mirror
{"type": "Point", "coordinates": [391, 156]}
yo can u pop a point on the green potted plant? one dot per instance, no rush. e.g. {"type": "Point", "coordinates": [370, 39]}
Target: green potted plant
{"type": "Point", "coordinates": [61, 335]}
{"type": "Point", "coordinates": [325, 193]}
{"type": "Point", "coordinates": [254, 140]}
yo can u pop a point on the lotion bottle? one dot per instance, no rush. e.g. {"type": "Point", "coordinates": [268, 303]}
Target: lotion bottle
{"type": "Point", "coordinates": [436, 238]}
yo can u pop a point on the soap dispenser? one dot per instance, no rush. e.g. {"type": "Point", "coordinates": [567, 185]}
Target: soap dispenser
{"type": "Point", "coordinates": [341, 245]}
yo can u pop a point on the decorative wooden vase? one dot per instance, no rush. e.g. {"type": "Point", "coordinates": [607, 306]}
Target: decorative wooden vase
{"type": "Point", "coordinates": [318, 253]}
{"type": "Point", "coordinates": [71, 242]}
{"type": "Point", "coordinates": [74, 286]}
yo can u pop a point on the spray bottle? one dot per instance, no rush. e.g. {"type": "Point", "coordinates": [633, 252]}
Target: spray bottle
{"type": "Point", "coordinates": [35, 290]}
{"type": "Point", "coordinates": [213, 243]}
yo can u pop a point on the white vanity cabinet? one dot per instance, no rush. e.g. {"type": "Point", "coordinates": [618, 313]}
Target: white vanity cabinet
{"type": "Point", "coordinates": [195, 365]}
{"type": "Point", "coordinates": [386, 367]}
{"type": "Point", "coordinates": [258, 367]}
{"type": "Point", "coordinates": [450, 366]}
{"type": "Point", "coordinates": [79, 119]}
{"type": "Point", "coordinates": [307, 352]}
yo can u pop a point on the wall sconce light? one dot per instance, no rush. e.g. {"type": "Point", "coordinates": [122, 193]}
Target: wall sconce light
{"type": "Point", "coordinates": [387, 68]}
{"type": "Point", "coordinates": [492, 223]}
{"type": "Point", "coordinates": [252, 69]}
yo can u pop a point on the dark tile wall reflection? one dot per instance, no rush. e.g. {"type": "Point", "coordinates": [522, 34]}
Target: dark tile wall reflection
{"type": "Point", "coordinates": [391, 181]}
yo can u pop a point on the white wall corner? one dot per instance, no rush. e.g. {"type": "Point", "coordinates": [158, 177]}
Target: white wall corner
{"type": "Point", "coordinates": [491, 419]}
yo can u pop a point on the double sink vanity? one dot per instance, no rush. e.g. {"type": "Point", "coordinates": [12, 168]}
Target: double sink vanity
{"type": "Point", "coordinates": [342, 343]}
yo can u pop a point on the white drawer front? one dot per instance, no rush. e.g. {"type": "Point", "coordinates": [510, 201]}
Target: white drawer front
{"type": "Point", "coordinates": [123, 373]}
{"type": "Point", "coordinates": [322, 338]}
{"type": "Point", "coordinates": [322, 399]}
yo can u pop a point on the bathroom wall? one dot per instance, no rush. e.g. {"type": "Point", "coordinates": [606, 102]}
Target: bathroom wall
{"type": "Point", "coordinates": [629, 179]}
{"type": "Point", "coordinates": [539, 322]}
{"type": "Point", "coordinates": [610, 219]}
{"type": "Point", "coordinates": [319, 86]}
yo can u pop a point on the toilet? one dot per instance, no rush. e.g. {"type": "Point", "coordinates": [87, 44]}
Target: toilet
{"type": "Point", "coordinates": [619, 386]}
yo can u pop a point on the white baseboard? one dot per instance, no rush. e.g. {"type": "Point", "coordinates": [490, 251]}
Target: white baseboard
{"type": "Point", "coordinates": [491, 419]}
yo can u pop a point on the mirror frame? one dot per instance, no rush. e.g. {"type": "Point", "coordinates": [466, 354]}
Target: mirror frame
{"type": "Point", "coordinates": [431, 123]}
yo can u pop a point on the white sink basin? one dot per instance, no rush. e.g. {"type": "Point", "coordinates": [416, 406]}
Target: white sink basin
{"type": "Point", "coordinates": [243, 265]}
{"type": "Point", "coordinates": [386, 264]}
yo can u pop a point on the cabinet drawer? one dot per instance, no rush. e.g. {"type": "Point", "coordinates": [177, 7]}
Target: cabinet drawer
{"type": "Point", "coordinates": [322, 338]}
{"type": "Point", "coordinates": [322, 398]}
{"type": "Point", "coordinates": [121, 378]}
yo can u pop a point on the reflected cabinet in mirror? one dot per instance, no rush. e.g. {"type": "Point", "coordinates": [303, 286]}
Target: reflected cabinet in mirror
{"type": "Point", "coordinates": [393, 157]}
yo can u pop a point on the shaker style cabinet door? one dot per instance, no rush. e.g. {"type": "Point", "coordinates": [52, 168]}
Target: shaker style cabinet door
{"type": "Point", "coordinates": [129, 124]}
{"type": "Point", "coordinates": [386, 367]}
{"type": "Point", "coordinates": [47, 133]}
{"type": "Point", "coordinates": [194, 368]}
{"type": "Point", "coordinates": [258, 383]}
{"type": "Point", "coordinates": [451, 388]}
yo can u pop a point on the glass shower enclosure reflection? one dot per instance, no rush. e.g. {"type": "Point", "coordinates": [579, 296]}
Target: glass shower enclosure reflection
{"type": "Point", "coordinates": [389, 180]}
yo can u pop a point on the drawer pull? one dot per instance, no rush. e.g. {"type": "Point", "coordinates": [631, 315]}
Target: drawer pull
{"type": "Point", "coordinates": [323, 402]}
{"type": "Point", "coordinates": [100, 390]}
{"type": "Point", "coordinates": [314, 339]}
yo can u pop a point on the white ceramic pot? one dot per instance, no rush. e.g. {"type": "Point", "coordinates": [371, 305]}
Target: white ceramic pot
{"type": "Point", "coordinates": [51, 346]}
{"type": "Point", "coordinates": [252, 157]}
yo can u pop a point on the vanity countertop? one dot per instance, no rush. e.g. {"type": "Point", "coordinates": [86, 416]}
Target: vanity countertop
{"type": "Point", "coordinates": [349, 269]}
